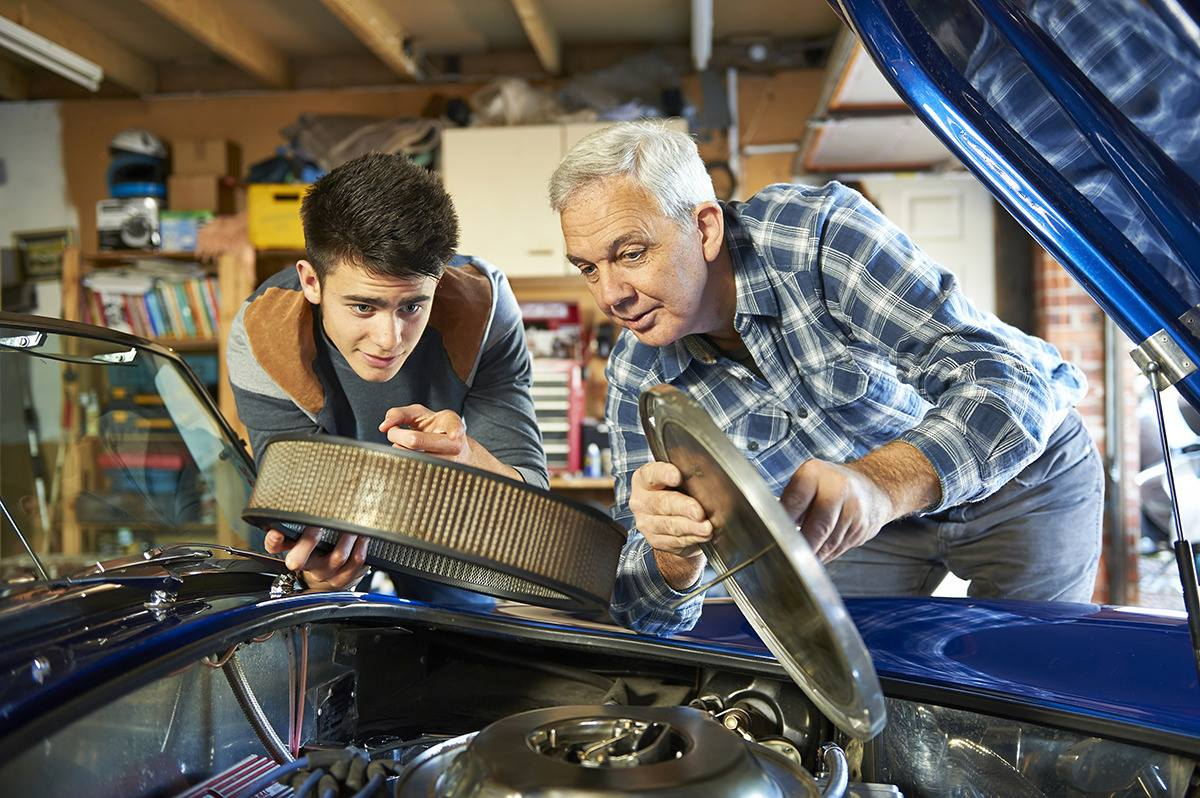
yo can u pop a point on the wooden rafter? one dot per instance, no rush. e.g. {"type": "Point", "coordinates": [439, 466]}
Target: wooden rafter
{"type": "Point", "coordinates": [120, 65]}
{"type": "Point", "coordinates": [541, 34]}
{"type": "Point", "coordinates": [222, 33]}
{"type": "Point", "coordinates": [14, 81]}
{"type": "Point", "coordinates": [380, 30]}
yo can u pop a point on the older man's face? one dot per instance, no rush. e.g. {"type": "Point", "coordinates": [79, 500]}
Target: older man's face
{"type": "Point", "coordinates": [646, 272]}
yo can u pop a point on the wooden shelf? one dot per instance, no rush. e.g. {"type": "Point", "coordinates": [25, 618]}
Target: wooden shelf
{"type": "Point", "coordinates": [581, 483]}
{"type": "Point", "coordinates": [123, 255]}
{"type": "Point", "coordinates": [187, 344]}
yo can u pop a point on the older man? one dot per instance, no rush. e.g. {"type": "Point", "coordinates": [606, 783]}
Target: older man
{"type": "Point", "coordinates": [908, 433]}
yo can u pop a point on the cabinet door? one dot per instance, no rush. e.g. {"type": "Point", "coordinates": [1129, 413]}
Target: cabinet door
{"type": "Point", "coordinates": [498, 178]}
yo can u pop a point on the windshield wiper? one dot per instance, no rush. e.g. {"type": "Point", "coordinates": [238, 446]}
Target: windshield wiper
{"type": "Point", "coordinates": [41, 569]}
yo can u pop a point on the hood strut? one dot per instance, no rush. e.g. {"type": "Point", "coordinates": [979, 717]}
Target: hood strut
{"type": "Point", "coordinates": [1185, 557]}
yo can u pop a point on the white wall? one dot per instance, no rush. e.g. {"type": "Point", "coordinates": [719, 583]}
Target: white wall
{"type": "Point", "coordinates": [33, 194]}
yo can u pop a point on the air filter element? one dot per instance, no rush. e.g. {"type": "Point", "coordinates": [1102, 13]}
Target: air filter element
{"type": "Point", "coordinates": [427, 517]}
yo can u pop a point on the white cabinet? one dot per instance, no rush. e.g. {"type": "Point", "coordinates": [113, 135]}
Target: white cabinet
{"type": "Point", "coordinates": [498, 178]}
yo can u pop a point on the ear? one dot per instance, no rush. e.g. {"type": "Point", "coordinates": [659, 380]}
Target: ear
{"type": "Point", "coordinates": [710, 221]}
{"type": "Point", "coordinates": [310, 283]}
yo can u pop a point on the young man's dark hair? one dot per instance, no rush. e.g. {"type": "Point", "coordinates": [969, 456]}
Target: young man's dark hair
{"type": "Point", "coordinates": [361, 214]}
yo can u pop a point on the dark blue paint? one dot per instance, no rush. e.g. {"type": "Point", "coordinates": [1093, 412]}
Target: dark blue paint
{"type": "Point", "coordinates": [1130, 667]}
{"type": "Point", "coordinates": [1167, 194]}
{"type": "Point", "coordinates": [1088, 246]}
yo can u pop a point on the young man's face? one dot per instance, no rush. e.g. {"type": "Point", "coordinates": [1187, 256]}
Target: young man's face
{"type": "Point", "coordinates": [373, 320]}
{"type": "Point", "coordinates": [646, 272]}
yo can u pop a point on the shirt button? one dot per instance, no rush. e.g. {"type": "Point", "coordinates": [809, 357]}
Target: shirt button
{"type": "Point", "coordinates": [800, 412]}
{"type": "Point", "coordinates": [752, 446]}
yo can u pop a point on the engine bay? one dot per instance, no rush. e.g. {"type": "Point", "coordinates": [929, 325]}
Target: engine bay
{"type": "Point", "coordinates": [360, 708]}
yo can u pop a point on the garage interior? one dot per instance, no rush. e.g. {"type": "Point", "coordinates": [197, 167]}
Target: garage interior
{"type": "Point", "coordinates": [254, 99]}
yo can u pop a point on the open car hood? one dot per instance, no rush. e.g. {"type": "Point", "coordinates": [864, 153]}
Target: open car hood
{"type": "Point", "coordinates": [1080, 116]}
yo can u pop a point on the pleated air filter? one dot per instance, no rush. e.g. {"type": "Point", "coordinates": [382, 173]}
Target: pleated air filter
{"type": "Point", "coordinates": [442, 521]}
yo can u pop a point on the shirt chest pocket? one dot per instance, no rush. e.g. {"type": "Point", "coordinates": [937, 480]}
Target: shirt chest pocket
{"type": "Point", "coordinates": [874, 408]}
{"type": "Point", "coordinates": [759, 429]}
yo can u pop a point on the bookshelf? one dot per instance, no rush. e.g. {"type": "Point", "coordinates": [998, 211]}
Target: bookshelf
{"type": "Point", "coordinates": [235, 273]}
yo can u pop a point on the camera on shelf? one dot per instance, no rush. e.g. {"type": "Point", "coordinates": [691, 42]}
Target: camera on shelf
{"type": "Point", "coordinates": [128, 223]}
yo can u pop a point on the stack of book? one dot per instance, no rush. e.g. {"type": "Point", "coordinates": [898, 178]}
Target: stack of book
{"type": "Point", "coordinates": [154, 300]}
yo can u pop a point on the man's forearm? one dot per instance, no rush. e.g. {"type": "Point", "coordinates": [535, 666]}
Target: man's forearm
{"type": "Point", "coordinates": [679, 572]}
{"type": "Point", "coordinates": [904, 474]}
{"type": "Point", "coordinates": [482, 458]}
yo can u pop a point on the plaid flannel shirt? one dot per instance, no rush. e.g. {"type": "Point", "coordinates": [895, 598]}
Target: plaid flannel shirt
{"type": "Point", "coordinates": [861, 340]}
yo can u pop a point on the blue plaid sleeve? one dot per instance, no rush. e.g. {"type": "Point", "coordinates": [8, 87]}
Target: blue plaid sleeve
{"type": "Point", "coordinates": [641, 599]}
{"type": "Point", "coordinates": [997, 394]}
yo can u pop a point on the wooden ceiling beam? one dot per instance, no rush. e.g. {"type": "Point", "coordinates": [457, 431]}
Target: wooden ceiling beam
{"type": "Point", "coordinates": [541, 34]}
{"type": "Point", "coordinates": [120, 66]}
{"type": "Point", "coordinates": [14, 81]}
{"type": "Point", "coordinates": [221, 32]}
{"type": "Point", "coordinates": [383, 33]}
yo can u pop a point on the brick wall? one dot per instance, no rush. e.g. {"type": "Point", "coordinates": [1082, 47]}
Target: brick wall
{"type": "Point", "coordinates": [1070, 319]}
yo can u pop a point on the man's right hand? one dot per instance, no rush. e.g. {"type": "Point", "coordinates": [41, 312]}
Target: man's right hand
{"type": "Point", "coordinates": [341, 568]}
{"type": "Point", "coordinates": [673, 523]}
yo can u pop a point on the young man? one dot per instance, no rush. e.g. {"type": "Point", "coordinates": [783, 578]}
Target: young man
{"type": "Point", "coordinates": [906, 432]}
{"type": "Point", "coordinates": [383, 334]}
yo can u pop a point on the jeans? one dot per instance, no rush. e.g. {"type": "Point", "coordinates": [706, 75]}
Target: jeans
{"type": "Point", "coordinates": [1037, 538]}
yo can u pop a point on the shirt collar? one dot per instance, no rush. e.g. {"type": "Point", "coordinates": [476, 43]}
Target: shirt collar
{"type": "Point", "coordinates": [755, 297]}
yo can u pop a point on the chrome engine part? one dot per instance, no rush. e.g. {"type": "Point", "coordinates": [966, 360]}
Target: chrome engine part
{"type": "Point", "coordinates": [600, 751]}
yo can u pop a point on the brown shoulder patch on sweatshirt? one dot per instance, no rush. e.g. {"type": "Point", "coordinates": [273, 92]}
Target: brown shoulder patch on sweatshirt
{"type": "Point", "coordinates": [279, 326]}
{"type": "Point", "coordinates": [461, 311]}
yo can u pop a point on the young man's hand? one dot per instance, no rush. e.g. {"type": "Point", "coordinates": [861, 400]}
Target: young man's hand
{"type": "Point", "coordinates": [673, 523]}
{"type": "Point", "coordinates": [442, 434]}
{"type": "Point", "coordinates": [342, 568]}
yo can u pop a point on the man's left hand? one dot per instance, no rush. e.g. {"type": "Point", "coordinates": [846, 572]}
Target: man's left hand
{"type": "Point", "coordinates": [839, 507]}
{"type": "Point", "coordinates": [441, 433]}
{"type": "Point", "coordinates": [836, 507]}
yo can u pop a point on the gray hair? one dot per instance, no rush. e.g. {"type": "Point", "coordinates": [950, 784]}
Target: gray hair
{"type": "Point", "coordinates": [664, 162]}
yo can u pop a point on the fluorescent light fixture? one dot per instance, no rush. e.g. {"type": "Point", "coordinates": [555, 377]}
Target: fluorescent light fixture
{"type": "Point", "coordinates": [702, 33]}
{"type": "Point", "coordinates": [45, 53]}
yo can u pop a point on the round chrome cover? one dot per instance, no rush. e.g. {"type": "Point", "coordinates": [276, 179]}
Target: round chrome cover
{"type": "Point", "coordinates": [432, 518]}
{"type": "Point", "coordinates": [602, 751]}
{"type": "Point", "coordinates": [784, 594]}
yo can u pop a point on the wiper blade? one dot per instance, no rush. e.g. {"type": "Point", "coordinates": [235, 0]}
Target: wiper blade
{"type": "Point", "coordinates": [155, 556]}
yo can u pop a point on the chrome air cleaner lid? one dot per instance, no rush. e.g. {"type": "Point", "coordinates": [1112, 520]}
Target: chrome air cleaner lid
{"type": "Point", "coordinates": [784, 593]}
{"type": "Point", "coordinates": [431, 518]}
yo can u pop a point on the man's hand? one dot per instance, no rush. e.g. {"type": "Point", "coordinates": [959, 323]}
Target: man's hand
{"type": "Point", "coordinates": [673, 523]}
{"type": "Point", "coordinates": [442, 434]}
{"type": "Point", "coordinates": [341, 569]}
{"type": "Point", "coordinates": [839, 507]}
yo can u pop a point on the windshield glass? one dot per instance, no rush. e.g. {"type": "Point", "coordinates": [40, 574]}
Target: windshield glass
{"type": "Point", "coordinates": [108, 450]}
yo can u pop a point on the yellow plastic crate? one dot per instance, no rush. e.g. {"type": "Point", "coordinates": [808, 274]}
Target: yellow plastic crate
{"type": "Point", "coordinates": [273, 211]}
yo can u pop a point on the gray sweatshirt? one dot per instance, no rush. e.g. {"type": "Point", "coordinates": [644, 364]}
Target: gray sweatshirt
{"type": "Point", "coordinates": [288, 377]}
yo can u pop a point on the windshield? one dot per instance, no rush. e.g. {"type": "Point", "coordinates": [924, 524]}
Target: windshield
{"type": "Point", "coordinates": [108, 449]}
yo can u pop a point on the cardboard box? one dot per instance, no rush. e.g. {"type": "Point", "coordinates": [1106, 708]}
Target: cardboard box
{"type": "Point", "coordinates": [179, 229]}
{"type": "Point", "coordinates": [205, 157]}
{"type": "Point", "coordinates": [201, 193]}
{"type": "Point", "coordinates": [273, 215]}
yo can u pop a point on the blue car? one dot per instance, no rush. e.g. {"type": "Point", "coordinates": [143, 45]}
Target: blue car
{"type": "Point", "coordinates": [166, 667]}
